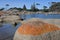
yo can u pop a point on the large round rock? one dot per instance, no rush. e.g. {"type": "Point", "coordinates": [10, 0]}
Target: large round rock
{"type": "Point", "coordinates": [37, 30]}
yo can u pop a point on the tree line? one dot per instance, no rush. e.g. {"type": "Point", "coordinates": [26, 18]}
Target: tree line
{"type": "Point", "coordinates": [54, 6]}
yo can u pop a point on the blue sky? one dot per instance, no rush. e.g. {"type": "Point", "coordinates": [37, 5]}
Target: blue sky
{"type": "Point", "coordinates": [20, 3]}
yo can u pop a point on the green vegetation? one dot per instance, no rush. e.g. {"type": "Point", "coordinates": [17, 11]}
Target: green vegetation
{"type": "Point", "coordinates": [1, 9]}
{"type": "Point", "coordinates": [55, 6]}
{"type": "Point", "coordinates": [33, 8]}
{"type": "Point", "coordinates": [45, 9]}
{"type": "Point", "coordinates": [20, 9]}
{"type": "Point", "coordinates": [24, 7]}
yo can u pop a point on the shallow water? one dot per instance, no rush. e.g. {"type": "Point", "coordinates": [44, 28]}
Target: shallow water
{"type": "Point", "coordinates": [44, 16]}
{"type": "Point", "coordinates": [8, 30]}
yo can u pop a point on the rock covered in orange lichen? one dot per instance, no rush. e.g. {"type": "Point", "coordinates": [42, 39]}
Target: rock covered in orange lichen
{"type": "Point", "coordinates": [34, 29]}
{"type": "Point", "coordinates": [30, 29]}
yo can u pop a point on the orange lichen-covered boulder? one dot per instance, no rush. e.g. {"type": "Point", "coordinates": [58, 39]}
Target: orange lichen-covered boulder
{"type": "Point", "coordinates": [37, 30]}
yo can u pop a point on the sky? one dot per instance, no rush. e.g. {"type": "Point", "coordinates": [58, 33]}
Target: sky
{"type": "Point", "coordinates": [28, 3]}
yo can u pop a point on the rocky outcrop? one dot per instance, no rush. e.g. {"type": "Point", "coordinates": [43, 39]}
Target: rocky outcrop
{"type": "Point", "coordinates": [37, 30]}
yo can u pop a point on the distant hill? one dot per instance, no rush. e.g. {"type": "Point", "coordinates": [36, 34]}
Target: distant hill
{"type": "Point", "coordinates": [55, 7]}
